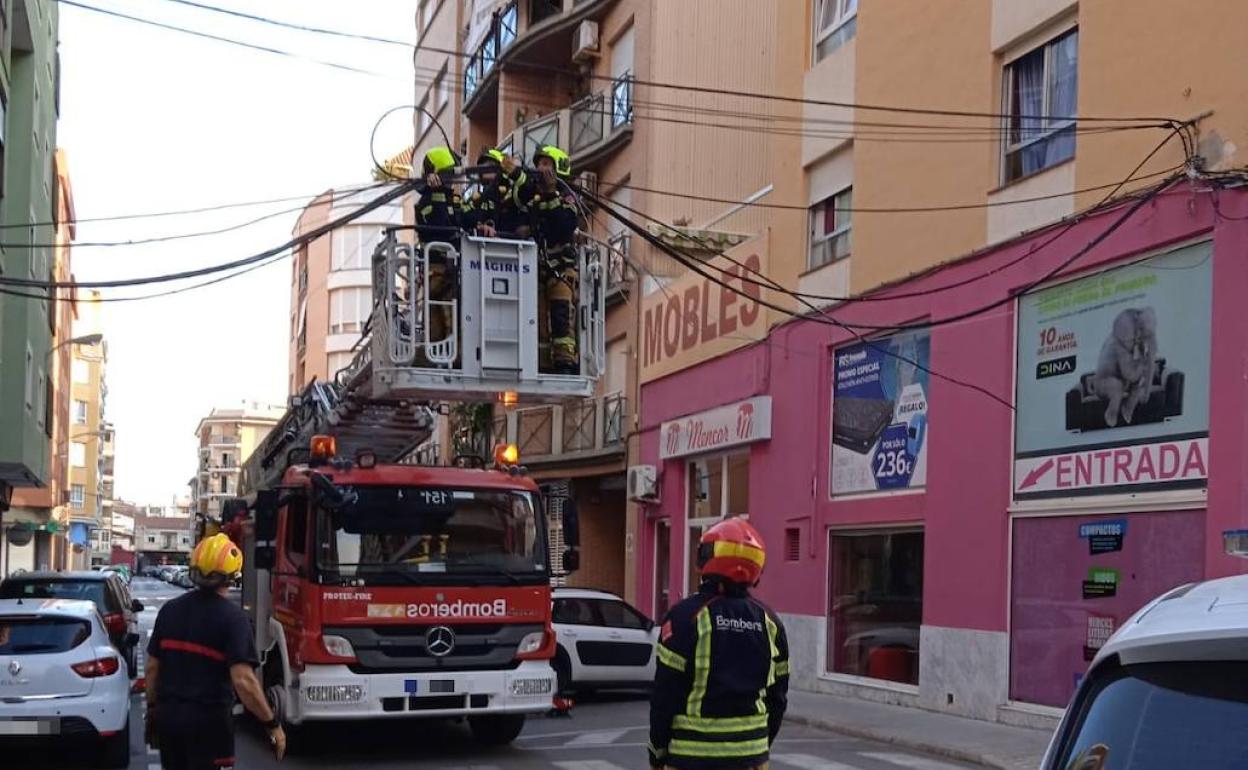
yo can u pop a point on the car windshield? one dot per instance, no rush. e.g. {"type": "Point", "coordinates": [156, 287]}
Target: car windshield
{"type": "Point", "coordinates": [86, 590]}
{"type": "Point", "coordinates": [41, 635]}
{"type": "Point", "coordinates": [425, 530]}
{"type": "Point", "coordinates": [1160, 716]}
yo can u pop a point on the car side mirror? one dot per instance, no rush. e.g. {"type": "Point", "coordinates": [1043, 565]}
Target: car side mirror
{"type": "Point", "coordinates": [136, 606]}
{"type": "Point", "coordinates": [571, 560]}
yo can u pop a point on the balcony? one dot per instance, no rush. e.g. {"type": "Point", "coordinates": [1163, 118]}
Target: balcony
{"type": "Point", "coordinates": [619, 273]}
{"type": "Point", "coordinates": [538, 33]}
{"type": "Point", "coordinates": [591, 429]}
{"type": "Point", "coordinates": [592, 128]}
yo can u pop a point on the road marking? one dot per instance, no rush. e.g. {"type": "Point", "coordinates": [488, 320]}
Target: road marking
{"type": "Point", "coordinates": [156, 766]}
{"type": "Point", "coordinates": [572, 733]}
{"type": "Point", "coordinates": [587, 764]}
{"type": "Point", "coordinates": [909, 760]}
{"type": "Point", "coordinates": [597, 738]}
{"type": "Point", "coordinates": [810, 762]}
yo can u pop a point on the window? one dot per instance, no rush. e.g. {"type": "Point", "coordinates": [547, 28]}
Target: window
{"type": "Point", "coordinates": [186, 540]}
{"type": "Point", "coordinates": [338, 362]}
{"type": "Point", "coordinates": [1039, 100]}
{"type": "Point", "coordinates": [792, 544]}
{"type": "Point", "coordinates": [718, 487]}
{"type": "Point", "coordinates": [81, 371]}
{"type": "Point", "coordinates": [620, 615]}
{"type": "Point", "coordinates": [297, 530]}
{"type": "Point", "coordinates": [77, 495]}
{"type": "Point", "coordinates": [348, 310]}
{"type": "Point", "coordinates": [831, 223]}
{"type": "Point", "coordinates": [353, 247]}
{"type": "Point", "coordinates": [30, 379]}
{"type": "Point", "coordinates": [227, 460]}
{"type": "Point", "coordinates": [151, 539]}
{"type": "Point", "coordinates": [876, 603]}
{"type": "Point", "coordinates": [427, 9]}
{"type": "Point", "coordinates": [80, 412]}
{"type": "Point", "coordinates": [225, 485]}
{"type": "Point", "coordinates": [835, 23]}
{"type": "Point", "coordinates": [78, 454]}
{"type": "Point", "coordinates": [574, 612]}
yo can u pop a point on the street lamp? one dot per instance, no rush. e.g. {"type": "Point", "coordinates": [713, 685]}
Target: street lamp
{"type": "Point", "coordinates": [91, 340]}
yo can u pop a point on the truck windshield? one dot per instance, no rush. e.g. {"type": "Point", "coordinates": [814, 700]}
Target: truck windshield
{"type": "Point", "coordinates": [427, 530]}
{"type": "Point", "coordinates": [1157, 716]}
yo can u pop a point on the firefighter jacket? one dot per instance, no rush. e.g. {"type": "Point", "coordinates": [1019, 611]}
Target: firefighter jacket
{"type": "Point", "coordinates": [438, 207]}
{"type": "Point", "coordinates": [553, 214]}
{"type": "Point", "coordinates": [721, 683]}
{"type": "Point", "coordinates": [495, 205]}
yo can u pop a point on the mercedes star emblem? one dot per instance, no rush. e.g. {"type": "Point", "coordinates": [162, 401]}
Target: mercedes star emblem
{"type": "Point", "coordinates": [440, 641]}
{"type": "Point", "coordinates": [15, 667]}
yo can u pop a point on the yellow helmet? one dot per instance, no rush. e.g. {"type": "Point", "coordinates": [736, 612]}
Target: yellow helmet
{"type": "Point", "coordinates": [562, 161]}
{"type": "Point", "coordinates": [439, 159]}
{"type": "Point", "coordinates": [491, 155]}
{"type": "Point", "coordinates": [215, 560]}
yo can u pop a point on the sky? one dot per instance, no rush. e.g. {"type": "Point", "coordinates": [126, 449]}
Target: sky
{"type": "Point", "coordinates": [154, 120]}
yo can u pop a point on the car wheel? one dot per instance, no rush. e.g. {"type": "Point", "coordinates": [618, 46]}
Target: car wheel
{"type": "Point", "coordinates": [563, 673]}
{"type": "Point", "coordinates": [496, 729]}
{"type": "Point", "coordinates": [115, 749]}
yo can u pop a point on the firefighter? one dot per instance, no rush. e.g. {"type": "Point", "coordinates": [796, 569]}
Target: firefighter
{"type": "Point", "coordinates": [552, 210]}
{"type": "Point", "coordinates": [492, 210]}
{"type": "Point", "coordinates": [200, 655]}
{"type": "Point", "coordinates": [438, 218]}
{"type": "Point", "coordinates": [721, 686]}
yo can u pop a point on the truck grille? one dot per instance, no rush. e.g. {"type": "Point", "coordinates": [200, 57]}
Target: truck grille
{"type": "Point", "coordinates": [402, 648]}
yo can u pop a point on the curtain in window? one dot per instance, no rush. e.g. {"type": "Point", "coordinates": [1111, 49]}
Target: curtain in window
{"type": "Point", "coordinates": [1063, 91]}
{"type": "Point", "coordinates": [1028, 106]}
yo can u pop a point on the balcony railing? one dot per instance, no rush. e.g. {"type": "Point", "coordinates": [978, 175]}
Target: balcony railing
{"type": "Point", "coordinates": [589, 128]}
{"type": "Point", "coordinates": [585, 428]}
{"type": "Point", "coordinates": [618, 271]}
{"type": "Point", "coordinates": [501, 35]}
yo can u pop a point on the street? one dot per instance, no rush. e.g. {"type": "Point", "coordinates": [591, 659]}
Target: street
{"type": "Point", "coordinates": [605, 732]}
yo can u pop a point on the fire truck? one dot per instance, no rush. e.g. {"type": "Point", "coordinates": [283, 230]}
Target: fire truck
{"type": "Point", "coordinates": [382, 588]}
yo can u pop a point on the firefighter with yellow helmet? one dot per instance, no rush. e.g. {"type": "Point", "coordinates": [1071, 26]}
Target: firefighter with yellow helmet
{"type": "Point", "coordinates": [549, 202]}
{"type": "Point", "coordinates": [201, 654]}
{"type": "Point", "coordinates": [491, 210]}
{"type": "Point", "coordinates": [438, 218]}
{"type": "Point", "coordinates": [722, 679]}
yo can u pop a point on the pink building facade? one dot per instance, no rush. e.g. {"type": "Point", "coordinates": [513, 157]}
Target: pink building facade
{"type": "Point", "coordinates": [932, 546]}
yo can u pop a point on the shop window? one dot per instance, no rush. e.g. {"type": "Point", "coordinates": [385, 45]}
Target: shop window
{"type": "Point", "coordinates": [876, 604]}
{"type": "Point", "coordinates": [717, 487]}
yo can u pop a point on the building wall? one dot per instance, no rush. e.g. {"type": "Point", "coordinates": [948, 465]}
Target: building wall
{"type": "Point", "coordinates": [226, 438]}
{"type": "Point", "coordinates": [966, 511]}
{"type": "Point", "coordinates": [30, 94]}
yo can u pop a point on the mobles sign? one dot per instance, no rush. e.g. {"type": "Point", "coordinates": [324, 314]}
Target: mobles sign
{"type": "Point", "coordinates": [695, 318]}
{"type": "Point", "coordinates": [725, 426]}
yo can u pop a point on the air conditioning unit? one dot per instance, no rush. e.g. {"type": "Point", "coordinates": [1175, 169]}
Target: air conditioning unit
{"type": "Point", "coordinates": [643, 484]}
{"type": "Point", "coordinates": [585, 46]}
{"type": "Point", "coordinates": [588, 181]}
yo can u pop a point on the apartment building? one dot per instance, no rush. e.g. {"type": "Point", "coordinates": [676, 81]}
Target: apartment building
{"type": "Point", "coordinates": [331, 294]}
{"type": "Point", "coordinates": [39, 513]}
{"type": "Point", "coordinates": [89, 433]}
{"type": "Point", "coordinates": [163, 535]}
{"type": "Point", "coordinates": [227, 437]}
{"type": "Point", "coordinates": [975, 568]}
{"type": "Point", "coordinates": [30, 204]}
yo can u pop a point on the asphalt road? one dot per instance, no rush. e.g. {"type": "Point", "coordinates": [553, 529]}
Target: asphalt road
{"type": "Point", "coordinates": [605, 732]}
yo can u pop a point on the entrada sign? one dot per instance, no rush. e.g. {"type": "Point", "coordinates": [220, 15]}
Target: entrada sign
{"type": "Point", "coordinates": [719, 428]}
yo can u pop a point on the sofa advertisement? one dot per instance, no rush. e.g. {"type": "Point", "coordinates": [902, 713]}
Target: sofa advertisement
{"type": "Point", "coordinates": [879, 415]}
{"type": "Point", "coordinates": [1113, 380]}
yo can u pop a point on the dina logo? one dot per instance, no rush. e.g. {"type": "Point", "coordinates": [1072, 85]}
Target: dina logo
{"type": "Point", "coordinates": [745, 421]}
{"type": "Point", "coordinates": [673, 438]}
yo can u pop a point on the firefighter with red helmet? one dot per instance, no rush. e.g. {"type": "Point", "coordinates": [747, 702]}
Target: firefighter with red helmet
{"type": "Point", "coordinates": [721, 686]}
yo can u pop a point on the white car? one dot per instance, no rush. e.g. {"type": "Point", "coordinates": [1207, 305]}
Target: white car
{"type": "Point", "coordinates": [1167, 690]}
{"type": "Point", "coordinates": [603, 642]}
{"type": "Point", "coordinates": [62, 678]}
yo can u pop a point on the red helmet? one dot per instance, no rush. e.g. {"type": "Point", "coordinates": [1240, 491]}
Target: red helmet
{"type": "Point", "coordinates": [733, 550]}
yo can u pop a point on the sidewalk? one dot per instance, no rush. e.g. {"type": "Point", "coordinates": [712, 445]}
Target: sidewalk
{"type": "Point", "coordinates": [969, 740]}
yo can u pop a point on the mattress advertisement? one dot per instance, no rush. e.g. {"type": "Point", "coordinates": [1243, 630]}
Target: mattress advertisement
{"type": "Point", "coordinates": [1113, 380]}
{"type": "Point", "coordinates": [879, 415]}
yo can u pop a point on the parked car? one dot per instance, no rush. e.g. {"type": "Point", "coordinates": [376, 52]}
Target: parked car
{"type": "Point", "coordinates": [166, 572]}
{"type": "Point", "coordinates": [1167, 689]}
{"type": "Point", "coordinates": [183, 579]}
{"type": "Point", "coordinates": [603, 642]}
{"type": "Point", "coordinates": [109, 592]}
{"type": "Point", "coordinates": [63, 678]}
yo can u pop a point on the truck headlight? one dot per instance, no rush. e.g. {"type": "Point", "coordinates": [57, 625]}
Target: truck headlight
{"type": "Point", "coordinates": [531, 643]}
{"type": "Point", "coordinates": [338, 646]}
{"type": "Point", "coordinates": [530, 687]}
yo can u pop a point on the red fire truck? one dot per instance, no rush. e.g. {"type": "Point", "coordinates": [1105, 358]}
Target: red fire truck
{"type": "Point", "coordinates": [380, 588]}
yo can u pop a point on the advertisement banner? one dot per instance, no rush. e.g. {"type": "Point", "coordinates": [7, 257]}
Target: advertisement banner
{"type": "Point", "coordinates": [879, 415]}
{"type": "Point", "coordinates": [726, 426]}
{"type": "Point", "coordinates": [1113, 379]}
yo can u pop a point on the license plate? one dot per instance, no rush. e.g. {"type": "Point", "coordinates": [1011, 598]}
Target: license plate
{"type": "Point", "coordinates": [30, 726]}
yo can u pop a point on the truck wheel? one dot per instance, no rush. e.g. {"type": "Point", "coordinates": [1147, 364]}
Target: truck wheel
{"type": "Point", "coordinates": [496, 730]}
{"type": "Point", "coordinates": [295, 735]}
{"type": "Point", "coordinates": [115, 749]}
